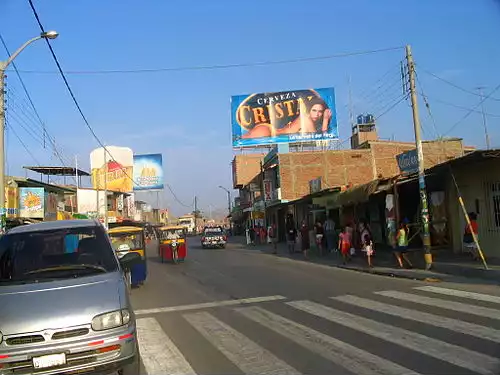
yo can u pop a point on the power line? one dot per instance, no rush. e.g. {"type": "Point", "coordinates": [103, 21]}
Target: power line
{"type": "Point", "coordinates": [68, 87]}
{"type": "Point", "coordinates": [464, 108]}
{"type": "Point", "coordinates": [44, 128]}
{"type": "Point", "coordinates": [472, 110]}
{"type": "Point", "coordinates": [9, 126]}
{"type": "Point", "coordinates": [427, 106]}
{"type": "Point", "coordinates": [403, 97]}
{"type": "Point", "coordinates": [454, 84]}
{"type": "Point", "coordinates": [214, 67]}
{"type": "Point", "coordinates": [177, 199]}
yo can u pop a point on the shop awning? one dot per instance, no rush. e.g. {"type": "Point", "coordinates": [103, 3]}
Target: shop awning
{"type": "Point", "coordinates": [355, 195]}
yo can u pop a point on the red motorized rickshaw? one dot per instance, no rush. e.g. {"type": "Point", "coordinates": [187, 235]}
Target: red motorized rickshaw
{"type": "Point", "coordinates": [172, 244]}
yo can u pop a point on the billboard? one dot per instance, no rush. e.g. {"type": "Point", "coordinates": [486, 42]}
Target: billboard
{"type": "Point", "coordinates": [31, 202]}
{"type": "Point", "coordinates": [284, 117]}
{"type": "Point", "coordinates": [88, 201]}
{"type": "Point", "coordinates": [50, 206]}
{"type": "Point", "coordinates": [148, 172]}
{"type": "Point", "coordinates": [119, 171]}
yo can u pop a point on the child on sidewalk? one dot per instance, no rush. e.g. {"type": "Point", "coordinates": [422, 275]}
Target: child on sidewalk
{"type": "Point", "coordinates": [345, 244]}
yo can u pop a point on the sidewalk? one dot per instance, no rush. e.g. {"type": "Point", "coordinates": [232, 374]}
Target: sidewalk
{"type": "Point", "coordinates": [445, 265]}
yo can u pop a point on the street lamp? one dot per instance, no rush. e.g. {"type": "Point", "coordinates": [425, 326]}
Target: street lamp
{"type": "Point", "coordinates": [3, 67]}
{"type": "Point", "coordinates": [228, 199]}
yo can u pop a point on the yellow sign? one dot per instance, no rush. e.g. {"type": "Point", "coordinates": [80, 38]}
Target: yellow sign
{"type": "Point", "coordinates": [12, 201]}
{"type": "Point", "coordinates": [112, 169]}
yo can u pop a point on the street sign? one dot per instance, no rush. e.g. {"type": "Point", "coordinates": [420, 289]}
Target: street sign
{"type": "Point", "coordinates": [408, 162]}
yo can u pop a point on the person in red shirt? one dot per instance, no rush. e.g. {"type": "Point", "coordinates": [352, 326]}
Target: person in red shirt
{"type": "Point", "coordinates": [469, 243]}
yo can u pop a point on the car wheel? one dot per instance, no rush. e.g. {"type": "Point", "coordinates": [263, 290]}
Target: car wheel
{"type": "Point", "coordinates": [133, 368]}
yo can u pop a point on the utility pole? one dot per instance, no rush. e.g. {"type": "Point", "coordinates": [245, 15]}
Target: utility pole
{"type": "Point", "coordinates": [486, 135]}
{"type": "Point", "coordinates": [195, 214]}
{"type": "Point", "coordinates": [263, 191]}
{"type": "Point", "coordinates": [105, 189]}
{"type": "Point", "coordinates": [424, 215]}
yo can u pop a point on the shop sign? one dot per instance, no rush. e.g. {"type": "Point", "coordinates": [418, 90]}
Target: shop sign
{"type": "Point", "coordinates": [408, 162]}
{"type": "Point", "coordinates": [315, 185]}
{"type": "Point", "coordinates": [267, 190]}
{"type": "Point", "coordinates": [254, 187]}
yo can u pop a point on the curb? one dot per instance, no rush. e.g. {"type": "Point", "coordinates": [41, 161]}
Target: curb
{"type": "Point", "coordinates": [391, 274]}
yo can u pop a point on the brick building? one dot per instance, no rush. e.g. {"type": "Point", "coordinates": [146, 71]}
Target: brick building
{"type": "Point", "coordinates": [286, 177]}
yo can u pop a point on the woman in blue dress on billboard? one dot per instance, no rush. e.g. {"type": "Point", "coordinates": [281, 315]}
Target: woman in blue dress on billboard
{"type": "Point", "coordinates": [316, 120]}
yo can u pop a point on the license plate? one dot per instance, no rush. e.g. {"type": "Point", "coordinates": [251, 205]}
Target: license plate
{"type": "Point", "coordinates": [51, 360]}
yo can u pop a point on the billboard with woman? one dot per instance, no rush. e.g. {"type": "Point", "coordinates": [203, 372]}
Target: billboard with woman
{"type": "Point", "coordinates": [284, 117]}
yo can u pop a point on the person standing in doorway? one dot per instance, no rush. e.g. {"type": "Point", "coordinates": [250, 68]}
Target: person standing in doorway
{"type": "Point", "coordinates": [469, 243]}
{"type": "Point", "coordinates": [304, 234]}
{"type": "Point", "coordinates": [291, 237]}
{"type": "Point", "coordinates": [330, 234]}
{"type": "Point", "coordinates": [273, 236]}
{"type": "Point", "coordinates": [320, 233]}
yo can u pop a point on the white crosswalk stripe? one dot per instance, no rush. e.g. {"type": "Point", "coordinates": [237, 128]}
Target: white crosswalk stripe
{"type": "Point", "coordinates": [160, 354]}
{"type": "Point", "coordinates": [243, 352]}
{"type": "Point", "coordinates": [456, 355]}
{"type": "Point", "coordinates": [435, 320]}
{"type": "Point", "coordinates": [485, 312]}
{"type": "Point", "coordinates": [460, 293]}
{"type": "Point", "coordinates": [356, 360]}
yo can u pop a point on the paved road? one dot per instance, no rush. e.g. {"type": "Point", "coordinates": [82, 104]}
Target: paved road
{"type": "Point", "coordinates": [238, 311]}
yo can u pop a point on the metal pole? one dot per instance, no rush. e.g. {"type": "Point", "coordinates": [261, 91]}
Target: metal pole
{"type": "Point", "coordinates": [229, 202]}
{"type": "Point", "coordinates": [2, 152]}
{"type": "Point", "coordinates": [421, 168]}
{"type": "Point", "coordinates": [105, 190]}
{"type": "Point", "coordinates": [195, 214]}
{"type": "Point", "coordinates": [263, 192]}
{"type": "Point", "coordinates": [487, 136]}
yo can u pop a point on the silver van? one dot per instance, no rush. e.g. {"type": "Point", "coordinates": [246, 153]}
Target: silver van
{"type": "Point", "coordinates": [64, 302]}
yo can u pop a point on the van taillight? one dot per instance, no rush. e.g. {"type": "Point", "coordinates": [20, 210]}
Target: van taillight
{"type": "Point", "coordinates": [203, 238]}
{"type": "Point", "coordinates": [225, 238]}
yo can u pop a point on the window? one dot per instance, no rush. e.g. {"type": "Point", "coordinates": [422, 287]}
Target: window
{"type": "Point", "coordinates": [133, 240]}
{"type": "Point", "coordinates": [60, 254]}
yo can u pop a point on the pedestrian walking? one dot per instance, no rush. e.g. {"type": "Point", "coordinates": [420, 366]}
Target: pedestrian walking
{"type": "Point", "coordinates": [304, 234]}
{"type": "Point", "coordinates": [291, 237]}
{"type": "Point", "coordinates": [367, 243]}
{"type": "Point", "coordinates": [402, 245]}
{"type": "Point", "coordinates": [345, 244]}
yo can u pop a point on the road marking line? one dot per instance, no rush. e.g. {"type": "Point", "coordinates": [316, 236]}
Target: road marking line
{"type": "Point", "coordinates": [205, 305]}
{"type": "Point", "coordinates": [342, 354]}
{"type": "Point", "coordinates": [158, 353]}
{"type": "Point", "coordinates": [460, 293]}
{"type": "Point", "coordinates": [435, 320]}
{"type": "Point", "coordinates": [441, 350]}
{"type": "Point", "coordinates": [443, 304]}
{"type": "Point", "coordinates": [239, 349]}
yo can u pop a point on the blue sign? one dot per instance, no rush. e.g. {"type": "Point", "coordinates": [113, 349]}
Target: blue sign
{"type": "Point", "coordinates": [284, 117]}
{"type": "Point", "coordinates": [148, 172]}
{"type": "Point", "coordinates": [408, 162]}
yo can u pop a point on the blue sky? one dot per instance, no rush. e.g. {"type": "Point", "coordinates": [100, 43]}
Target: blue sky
{"type": "Point", "coordinates": [185, 114]}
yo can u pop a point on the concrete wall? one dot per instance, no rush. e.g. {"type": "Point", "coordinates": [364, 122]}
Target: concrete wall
{"type": "Point", "coordinates": [336, 168]}
{"type": "Point", "coordinates": [475, 183]}
{"type": "Point", "coordinates": [245, 168]}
